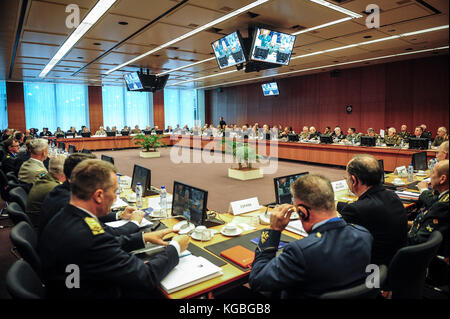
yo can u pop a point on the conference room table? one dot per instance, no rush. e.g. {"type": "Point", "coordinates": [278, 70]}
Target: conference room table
{"type": "Point", "coordinates": [330, 154]}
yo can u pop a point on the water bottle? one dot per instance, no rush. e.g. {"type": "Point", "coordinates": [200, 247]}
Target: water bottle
{"type": "Point", "coordinates": [119, 188]}
{"type": "Point", "coordinates": [138, 192]}
{"type": "Point", "coordinates": [163, 201]}
{"type": "Point", "coordinates": [429, 144]}
{"type": "Point", "coordinates": [432, 163]}
{"type": "Point", "coordinates": [410, 173]}
{"type": "Point", "coordinates": [402, 145]}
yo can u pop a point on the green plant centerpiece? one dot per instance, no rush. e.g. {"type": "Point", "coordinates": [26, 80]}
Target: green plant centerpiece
{"type": "Point", "coordinates": [245, 156]}
{"type": "Point", "coordinates": [149, 144]}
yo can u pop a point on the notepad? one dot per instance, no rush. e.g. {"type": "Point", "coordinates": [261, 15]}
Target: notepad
{"type": "Point", "coordinates": [190, 270]}
{"type": "Point", "coordinates": [296, 226]}
{"type": "Point", "coordinates": [118, 223]}
{"type": "Point", "coordinates": [239, 255]}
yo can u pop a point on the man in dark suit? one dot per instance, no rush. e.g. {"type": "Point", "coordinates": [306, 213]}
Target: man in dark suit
{"type": "Point", "coordinates": [45, 133]}
{"type": "Point", "coordinates": [76, 237]}
{"type": "Point", "coordinates": [333, 256]}
{"type": "Point", "coordinates": [10, 161]}
{"type": "Point", "coordinates": [377, 209]}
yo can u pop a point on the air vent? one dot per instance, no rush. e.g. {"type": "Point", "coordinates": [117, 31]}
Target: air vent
{"type": "Point", "coordinates": [226, 9]}
{"type": "Point", "coordinates": [252, 15]}
{"type": "Point", "coordinates": [214, 30]}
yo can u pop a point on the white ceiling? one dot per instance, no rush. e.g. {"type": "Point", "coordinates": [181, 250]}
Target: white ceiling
{"type": "Point", "coordinates": [44, 31]}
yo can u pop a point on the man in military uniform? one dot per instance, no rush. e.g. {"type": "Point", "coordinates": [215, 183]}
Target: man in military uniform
{"type": "Point", "coordinates": [352, 136]}
{"type": "Point", "coordinates": [314, 265]}
{"type": "Point", "coordinates": [426, 133]}
{"type": "Point", "coordinates": [75, 236]}
{"type": "Point", "coordinates": [337, 134]}
{"type": "Point", "coordinates": [136, 130]}
{"type": "Point", "coordinates": [304, 135]}
{"type": "Point", "coordinates": [404, 134]}
{"type": "Point", "coordinates": [44, 185]}
{"type": "Point", "coordinates": [34, 167]}
{"type": "Point", "coordinates": [392, 139]}
{"type": "Point", "coordinates": [313, 134]}
{"type": "Point", "coordinates": [10, 162]}
{"type": "Point", "coordinates": [436, 217]}
{"type": "Point", "coordinates": [441, 136]}
{"type": "Point", "coordinates": [371, 133]}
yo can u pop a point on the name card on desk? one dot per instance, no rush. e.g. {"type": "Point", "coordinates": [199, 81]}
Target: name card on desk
{"type": "Point", "coordinates": [401, 171]}
{"type": "Point", "coordinates": [244, 206]}
{"type": "Point", "coordinates": [125, 181]}
{"type": "Point", "coordinates": [70, 136]}
{"type": "Point", "coordinates": [339, 185]}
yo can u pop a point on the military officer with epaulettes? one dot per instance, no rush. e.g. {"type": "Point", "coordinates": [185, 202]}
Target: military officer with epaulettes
{"type": "Point", "coordinates": [10, 162]}
{"type": "Point", "coordinates": [34, 167]}
{"type": "Point", "coordinates": [441, 136]}
{"type": "Point", "coordinates": [352, 136]}
{"type": "Point", "coordinates": [392, 139]}
{"type": "Point", "coordinates": [404, 134]}
{"type": "Point", "coordinates": [304, 135]}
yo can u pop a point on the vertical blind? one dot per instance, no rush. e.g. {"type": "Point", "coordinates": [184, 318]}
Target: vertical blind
{"type": "Point", "coordinates": [3, 107]}
{"type": "Point", "coordinates": [56, 105]}
{"type": "Point", "coordinates": [184, 107]}
{"type": "Point", "coordinates": [121, 107]}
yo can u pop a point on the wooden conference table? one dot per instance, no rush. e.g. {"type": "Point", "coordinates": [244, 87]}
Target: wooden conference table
{"type": "Point", "coordinates": [334, 154]}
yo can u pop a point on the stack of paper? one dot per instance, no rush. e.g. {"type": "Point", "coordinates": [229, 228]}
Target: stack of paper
{"type": "Point", "coordinates": [190, 270]}
{"type": "Point", "coordinates": [408, 195]}
{"type": "Point", "coordinates": [118, 203]}
{"type": "Point", "coordinates": [296, 226]}
{"type": "Point", "coordinates": [119, 223]}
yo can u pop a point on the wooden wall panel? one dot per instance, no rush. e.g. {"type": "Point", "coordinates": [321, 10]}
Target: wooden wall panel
{"type": "Point", "coordinates": [408, 92]}
{"type": "Point", "coordinates": [95, 108]}
{"type": "Point", "coordinates": [158, 109]}
{"type": "Point", "coordinates": [15, 105]}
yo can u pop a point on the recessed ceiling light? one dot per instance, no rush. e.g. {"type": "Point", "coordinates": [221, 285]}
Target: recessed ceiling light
{"type": "Point", "coordinates": [122, 22]}
{"type": "Point", "coordinates": [367, 36]}
{"type": "Point", "coordinates": [80, 57]}
{"type": "Point", "coordinates": [408, 49]}
{"type": "Point", "coordinates": [96, 43]}
{"type": "Point", "coordinates": [336, 61]}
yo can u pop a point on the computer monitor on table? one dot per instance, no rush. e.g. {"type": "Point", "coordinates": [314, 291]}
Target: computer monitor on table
{"type": "Point", "coordinates": [159, 132]}
{"type": "Point", "coordinates": [70, 135]}
{"type": "Point", "coordinates": [293, 138]}
{"type": "Point", "coordinates": [418, 143]}
{"type": "Point", "coordinates": [190, 202]}
{"type": "Point", "coordinates": [283, 188]}
{"type": "Point", "coordinates": [147, 132]}
{"type": "Point", "coordinates": [125, 133]}
{"type": "Point", "coordinates": [107, 159]}
{"type": "Point", "coordinates": [111, 133]}
{"type": "Point", "coordinates": [419, 161]}
{"type": "Point", "coordinates": [86, 134]}
{"type": "Point", "coordinates": [326, 139]}
{"type": "Point", "coordinates": [368, 140]}
{"type": "Point", "coordinates": [143, 175]}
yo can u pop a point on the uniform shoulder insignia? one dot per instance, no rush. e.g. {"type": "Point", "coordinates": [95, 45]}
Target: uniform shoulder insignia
{"type": "Point", "coordinates": [8, 156]}
{"type": "Point", "coordinates": [318, 235]}
{"type": "Point", "coordinates": [264, 236]}
{"type": "Point", "coordinates": [43, 174]}
{"type": "Point", "coordinates": [430, 229]}
{"type": "Point", "coordinates": [435, 221]}
{"type": "Point", "coordinates": [444, 199]}
{"type": "Point", "coordinates": [94, 225]}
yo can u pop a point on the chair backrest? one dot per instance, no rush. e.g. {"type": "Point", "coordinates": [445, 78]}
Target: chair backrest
{"type": "Point", "coordinates": [361, 291]}
{"type": "Point", "coordinates": [24, 238]}
{"type": "Point", "coordinates": [19, 195]}
{"type": "Point", "coordinates": [16, 213]}
{"type": "Point", "coordinates": [4, 186]}
{"type": "Point", "coordinates": [22, 282]}
{"type": "Point", "coordinates": [12, 177]}
{"type": "Point", "coordinates": [408, 268]}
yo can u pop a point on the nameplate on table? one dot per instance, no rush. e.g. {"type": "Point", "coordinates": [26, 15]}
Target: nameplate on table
{"type": "Point", "coordinates": [401, 170]}
{"type": "Point", "coordinates": [244, 206]}
{"type": "Point", "coordinates": [70, 136]}
{"type": "Point", "coordinates": [125, 181]}
{"type": "Point", "coordinates": [339, 185]}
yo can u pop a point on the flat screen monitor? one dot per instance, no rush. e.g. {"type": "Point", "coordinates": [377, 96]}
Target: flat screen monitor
{"type": "Point", "coordinates": [229, 50]}
{"type": "Point", "coordinates": [133, 81]}
{"type": "Point", "coordinates": [272, 46]}
{"type": "Point", "coordinates": [111, 133]}
{"type": "Point", "coordinates": [293, 138]}
{"type": "Point", "coordinates": [142, 175]}
{"type": "Point", "coordinates": [368, 140]}
{"type": "Point", "coordinates": [326, 139]}
{"type": "Point", "coordinates": [418, 143]}
{"type": "Point", "coordinates": [419, 161]}
{"type": "Point", "coordinates": [125, 133]}
{"type": "Point", "coordinates": [159, 132]}
{"type": "Point", "coordinates": [70, 134]}
{"type": "Point", "coordinates": [283, 188]}
{"type": "Point", "coordinates": [190, 202]}
{"type": "Point", "coordinates": [59, 134]}
{"type": "Point", "coordinates": [147, 132]}
{"type": "Point", "coordinates": [270, 89]}
{"type": "Point", "coordinates": [108, 159]}
{"type": "Point", "coordinates": [72, 149]}
{"type": "Point", "coordinates": [86, 134]}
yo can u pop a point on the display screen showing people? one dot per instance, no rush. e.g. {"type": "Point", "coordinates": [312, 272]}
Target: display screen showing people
{"type": "Point", "coordinates": [190, 202]}
{"type": "Point", "coordinates": [270, 88]}
{"type": "Point", "coordinates": [133, 81]}
{"type": "Point", "coordinates": [272, 46]}
{"type": "Point", "coordinates": [228, 50]}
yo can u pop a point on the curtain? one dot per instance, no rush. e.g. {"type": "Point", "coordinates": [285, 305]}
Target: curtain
{"type": "Point", "coordinates": [121, 107]}
{"type": "Point", "coordinates": [184, 107]}
{"type": "Point", "coordinates": [3, 106]}
{"type": "Point", "coordinates": [56, 105]}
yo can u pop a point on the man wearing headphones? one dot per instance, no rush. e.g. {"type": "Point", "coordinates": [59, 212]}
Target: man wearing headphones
{"type": "Point", "coordinates": [377, 209]}
{"type": "Point", "coordinates": [334, 255]}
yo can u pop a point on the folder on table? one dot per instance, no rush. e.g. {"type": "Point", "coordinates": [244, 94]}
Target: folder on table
{"type": "Point", "coordinates": [240, 255]}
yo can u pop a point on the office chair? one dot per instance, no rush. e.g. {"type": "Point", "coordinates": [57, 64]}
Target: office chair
{"type": "Point", "coordinates": [24, 238]}
{"type": "Point", "coordinates": [19, 195]}
{"type": "Point", "coordinates": [408, 268]}
{"type": "Point", "coordinates": [358, 292]}
{"type": "Point", "coordinates": [4, 186]}
{"type": "Point", "coordinates": [12, 177]}
{"type": "Point", "coordinates": [22, 282]}
{"type": "Point", "coordinates": [16, 213]}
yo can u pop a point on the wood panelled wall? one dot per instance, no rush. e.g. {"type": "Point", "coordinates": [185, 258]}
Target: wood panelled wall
{"type": "Point", "coordinates": [158, 109]}
{"type": "Point", "coordinates": [408, 92]}
{"type": "Point", "coordinates": [95, 108]}
{"type": "Point", "coordinates": [15, 105]}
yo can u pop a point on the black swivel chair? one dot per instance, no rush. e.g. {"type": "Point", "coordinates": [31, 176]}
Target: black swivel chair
{"type": "Point", "coordinates": [22, 282]}
{"type": "Point", "coordinates": [20, 196]}
{"type": "Point", "coordinates": [24, 238]}
{"type": "Point", "coordinates": [408, 268]}
{"type": "Point", "coordinates": [4, 186]}
{"type": "Point", "coordinates": [358, 292]}
{"type": "Point", "coordinates": [17, 214]}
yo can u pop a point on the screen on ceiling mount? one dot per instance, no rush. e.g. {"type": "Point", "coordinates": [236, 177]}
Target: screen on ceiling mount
{"type": "Point", "coordinates": [229, 50]}
{"type": "Point", "coordinates": [133, 81]}
{"type": "Point", "coordinates": [272, 46]}
{"type": "Point", "coordinates": [270, 88]}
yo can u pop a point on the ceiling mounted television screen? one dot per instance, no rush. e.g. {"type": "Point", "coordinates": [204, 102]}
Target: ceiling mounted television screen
{"type": "Point", "coordinates": [133, 81]}
{"type": "Point", "coordinates": [270, 88]}
{"type": "Point", "coordinates": [272, 46]}
{"type": "Point", "coordinates": [229, 50]}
